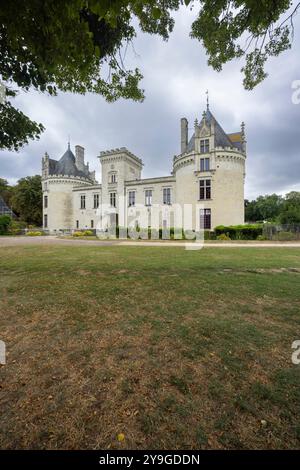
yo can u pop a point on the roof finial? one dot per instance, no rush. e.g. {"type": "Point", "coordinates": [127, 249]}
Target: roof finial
{"type": "Point", "coordinates": [207, 100]}
{"type": "Point", "coordinates": [69, 142]}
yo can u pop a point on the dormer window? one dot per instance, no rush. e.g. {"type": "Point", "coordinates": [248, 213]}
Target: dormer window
{"type": "Point", "coordinates": [204, 146]}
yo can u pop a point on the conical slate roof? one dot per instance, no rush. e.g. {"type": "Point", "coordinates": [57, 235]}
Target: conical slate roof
{"type": "Point", "coordinates": [66, 166]}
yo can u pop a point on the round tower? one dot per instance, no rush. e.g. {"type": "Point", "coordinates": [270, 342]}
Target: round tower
{"type": "Point", "coordinates": [210, 174]}
{"type": "Point", "coordinates": [58, 180]}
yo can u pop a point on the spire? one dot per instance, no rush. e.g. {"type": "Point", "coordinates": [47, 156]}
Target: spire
{"type": "Point", "coordinates": [69, 142]}
{"type": "Point", "coordinates": [207, 100]}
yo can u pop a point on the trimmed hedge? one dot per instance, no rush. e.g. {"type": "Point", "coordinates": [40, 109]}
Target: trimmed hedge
{"type": "Point", "coordinates": [240, 232]}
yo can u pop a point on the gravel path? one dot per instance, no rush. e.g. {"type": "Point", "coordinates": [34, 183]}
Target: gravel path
{"type": "Point", "coordinates": [53, 240]}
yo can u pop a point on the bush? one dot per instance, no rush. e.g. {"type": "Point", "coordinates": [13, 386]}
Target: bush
{"type": "Point", "coordinates": [209, 235]}
{"type": "Point", "coordinates": [78, 234]}
{"type": "Point", "coordinates": [261, 238]}
{"type": "Point", "coordinates": [17, 227]}
{"type": "Point", "coordinates": [88, 233]}
{"type": "Point", "coordinates": [34, 234]}
{"type": "Point", "coordinates": [240, 232]}
{"type": "Point", "coordinates": [224, 237]}
{"type": "Point", "coordinates": [5, 222]}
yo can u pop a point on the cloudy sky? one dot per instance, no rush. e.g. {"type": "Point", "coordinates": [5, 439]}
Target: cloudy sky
{"type": "Point", "coordinates": [176, 76]}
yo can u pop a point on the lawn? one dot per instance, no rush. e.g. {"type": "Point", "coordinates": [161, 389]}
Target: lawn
{"type": "Point", "coordinates": [173, 348]}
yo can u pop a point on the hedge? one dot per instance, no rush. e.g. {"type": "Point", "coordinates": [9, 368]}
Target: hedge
{"type": "Point", "coordinates": [240, 232]}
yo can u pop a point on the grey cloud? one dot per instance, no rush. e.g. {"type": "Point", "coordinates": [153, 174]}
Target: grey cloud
{"type": "Point", "coordinates": [176, 78]}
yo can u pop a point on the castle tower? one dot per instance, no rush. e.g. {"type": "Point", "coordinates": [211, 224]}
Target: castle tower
{"type": "Point", "coordinates": [211, 173]}
{"type": "Point", "coordinates": [118, 166]}
{"type": "Point", "coordinates": [58, 180]}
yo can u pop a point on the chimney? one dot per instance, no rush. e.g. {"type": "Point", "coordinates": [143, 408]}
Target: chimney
{"type": "Point", "coordinates": [79, 157]}
{"type": "Point", "coordinates": [184, 135]}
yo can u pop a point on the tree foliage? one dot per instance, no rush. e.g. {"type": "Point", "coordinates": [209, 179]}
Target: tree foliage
{"type": "Point", "coordinates": [16, 129]}
{"type": "Point", "coordinates": [27, 199]}
{"type": "Point", "coordinates": [255, 30]}
{"type": "Point", "coordinates": [5, 222]}
{"type": "Point", "coordinates": [80, 45]}
{"type": "Point", "coordinates": [274, 208]}
{"type": "Point", "coordinates": [291, 209]}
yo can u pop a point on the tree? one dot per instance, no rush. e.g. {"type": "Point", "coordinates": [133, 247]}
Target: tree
{"type": "Point", "coordinates": [291, 209]}
{"type": "Point", "coordinates": [5, 222]}
{"type": "Point", "coordinates": [5, 190]}
{"type": "Point", "coordinates": [16, 128]}
{"type": "Point", "coordinates": [80, 46]}
{"type": "Point", "coordinates": [255, 30]}
{"type": "Point", "coordinates": [27, 199]}
{"type": "Point", "coordinates": [263, 208]}
{"type": "Point", "coordinates": [51, 46]}
{"type": "Point", "coordinates": [269, 206]}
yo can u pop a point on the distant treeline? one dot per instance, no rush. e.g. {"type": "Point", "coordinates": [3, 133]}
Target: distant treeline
{"type": "Point", "coordinates": [274, 208]}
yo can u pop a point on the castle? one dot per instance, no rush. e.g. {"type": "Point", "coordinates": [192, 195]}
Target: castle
{"type": "Point", "coordinates": [209, 172]}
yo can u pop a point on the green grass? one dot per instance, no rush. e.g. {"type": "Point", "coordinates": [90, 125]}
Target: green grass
{"type": "Point", "coordinates": [174, 348]}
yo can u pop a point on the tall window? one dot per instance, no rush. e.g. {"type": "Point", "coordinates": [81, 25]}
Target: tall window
{"type": "Point", "coordinates": [148, 197]}
{"type": "Point", "coordinates": [45, 221]}
{"type": "Point", "coordinates": [204, 146]}
{"type": "Point", "coordinates": [205, 219]}
{"type": "Point", "coordinates": [204, 164]}
{"type": "Point", "coordinates": [45, 202]}
{"type": "Point", "coordinates": [167, 195]}
{"type": "Point", "coordinates": [96, 201]}
{"type": "Point", "coordinates": [131, 198]}
{"type": "Point", "coordinates": [92, 224]}
{"type": "Point", "coordinates": [112, 198]}
{"type": "Point", "coordinates": [113, 178]}
{"type": "Point", "coordinates": [82, 202]}
{"type": "Point", "coordinates": [205, 189]}
{"type": "Point", "coordinates": [77, 223]}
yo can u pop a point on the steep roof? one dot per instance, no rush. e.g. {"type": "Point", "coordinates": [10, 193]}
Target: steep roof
{"type": "Point", "coordinates": [221, 138]}
{"type": "Point", "coordinates": [66, 166]}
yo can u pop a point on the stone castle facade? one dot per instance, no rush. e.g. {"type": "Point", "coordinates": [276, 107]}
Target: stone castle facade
{"type": "Point", "coordinates": [208, 174]}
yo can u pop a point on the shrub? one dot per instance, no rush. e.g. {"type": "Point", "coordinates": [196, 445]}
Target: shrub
{"type": "Point", "coordinates": [5, 222]}
{"type": "Point", "coordinates": [223, 236]}
{"type": "Point", "coordinates": [209, 235]}
{"type": "Point", "coordinates": [88, 233]}
{"type": "Point", "coordinates": [240, 232]}
{"type": "Point", "coordinates": [34, 234]}
{"type": "Point", "coordinates": [262, 238]}
{"type": "Point", "coordinates": [78, 234]}
{"type": "Point", "coordinates": [17, 227]}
